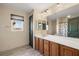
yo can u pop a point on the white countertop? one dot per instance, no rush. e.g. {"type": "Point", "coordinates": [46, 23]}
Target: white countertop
{"type": "Point", "coordinates": [67, 41]}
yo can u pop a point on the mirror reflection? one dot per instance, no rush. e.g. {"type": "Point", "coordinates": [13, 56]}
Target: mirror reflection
{"type": "Point", "coordinates": [42, 25]}
{"type": "Point", "coordinates": [64, 23]}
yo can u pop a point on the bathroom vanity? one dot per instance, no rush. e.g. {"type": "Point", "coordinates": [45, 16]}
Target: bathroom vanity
{"type": "Point", "coordinates": [52, 45]}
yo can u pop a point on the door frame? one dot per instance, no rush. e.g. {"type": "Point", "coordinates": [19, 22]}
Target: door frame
{"type": "Point", "coordinates": [31, 30]}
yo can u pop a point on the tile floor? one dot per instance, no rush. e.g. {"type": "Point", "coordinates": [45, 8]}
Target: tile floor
{"type": "Point", "coordinates": [23, 51]}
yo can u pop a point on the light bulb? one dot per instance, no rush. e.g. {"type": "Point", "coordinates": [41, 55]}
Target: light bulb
{"type": "Point", "coordinates": [68, 16]}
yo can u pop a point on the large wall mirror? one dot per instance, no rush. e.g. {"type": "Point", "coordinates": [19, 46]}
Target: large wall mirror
{"type": "Point", "coordinates": [67, 22]}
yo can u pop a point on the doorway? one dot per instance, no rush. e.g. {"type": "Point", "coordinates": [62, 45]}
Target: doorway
{"type": "Point", "coordinates": [31, 31]}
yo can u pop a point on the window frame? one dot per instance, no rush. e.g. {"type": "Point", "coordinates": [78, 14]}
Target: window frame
{"type": "Point", "coordinates": [14, 19]}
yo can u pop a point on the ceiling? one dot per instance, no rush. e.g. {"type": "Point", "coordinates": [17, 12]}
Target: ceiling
{"type": "Point", "coordinates": [73, 12]}
{"type": "Point", "coordinates": [28, 7]}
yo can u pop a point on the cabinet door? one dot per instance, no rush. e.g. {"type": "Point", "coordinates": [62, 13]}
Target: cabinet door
{"type": "Point", "coordinates": [54, 49]}
{"type": "Point", "coordinates": [46, 48]}
{"type": "Point", "coordinates": [67, 51]}
{"type": "Point", "coordinates": [41, 46]}
{"type": "Point", "coordinates": [36, 43]}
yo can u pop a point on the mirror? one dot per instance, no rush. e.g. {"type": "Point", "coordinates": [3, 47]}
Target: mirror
{"type": "Point", "coordinates": [42, 25]}
{"type": "Point", "coordinates": [67, 22]}
{"type": "Point", "coordinates": [39, 26]}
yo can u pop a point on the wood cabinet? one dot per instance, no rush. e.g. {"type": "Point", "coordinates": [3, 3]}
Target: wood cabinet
{"type": "Point", "coordinates": [41, 46]}
{"type": "Point", "coordinates": [49, 48]}
{"type": "Point", "coordinates": [67, 51]}
{"type": "Point", "coordinates": [46, 48]}
{"type": "Point", "coordinates": [36, 43]}
{"type": "Point", "coordinates": [54, 49]}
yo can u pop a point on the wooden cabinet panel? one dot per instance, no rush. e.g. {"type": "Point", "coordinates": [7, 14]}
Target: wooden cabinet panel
{"type": "Point", "coordinates": [36, 43]}
{"type": "Point", "coordinates": [46, 48]}
{"type": "Point", "coordinates": [54, 49]}
{"type": "Point", "coordinates": [67, 51]}
{"type": "Point", "coordinates": [41, 45]}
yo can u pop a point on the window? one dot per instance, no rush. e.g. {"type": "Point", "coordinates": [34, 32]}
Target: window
{"type": "Point", "coordinates": [17, 22]}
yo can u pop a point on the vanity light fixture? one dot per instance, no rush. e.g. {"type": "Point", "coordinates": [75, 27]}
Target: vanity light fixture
{"type": "Point", "coordinates": [68, 16]}
{"type": "Point", "coordinates": [58, 4]}
{"type": "Point", "coordinates": [45, 11]}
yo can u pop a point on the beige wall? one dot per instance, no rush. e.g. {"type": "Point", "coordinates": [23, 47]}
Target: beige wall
{"type": "Point", "coordinates": [51, 27]}
{"type": "Point", "coordinates": [9, 39]}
